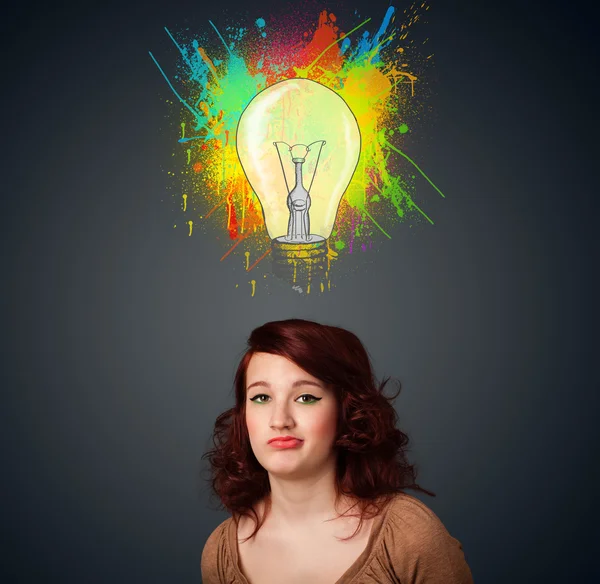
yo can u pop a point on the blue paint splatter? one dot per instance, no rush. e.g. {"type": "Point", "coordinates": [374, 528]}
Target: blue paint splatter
{"type": "Point", "coordinates": [367, 48]}
{"type": "Point", "coordinates": [260, 22]}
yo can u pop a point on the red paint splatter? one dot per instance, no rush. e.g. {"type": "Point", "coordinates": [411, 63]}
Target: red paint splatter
{"type": "Point", "coordinates": [198, 167]}
{"type": "Point", "coordinates": [324, 36]}
{"type": "Point", "coordinates": [283, 58]}
{"type": "Point", "coordinates": [233, 224]}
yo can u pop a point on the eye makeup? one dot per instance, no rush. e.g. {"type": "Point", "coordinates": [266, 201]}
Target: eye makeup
{"type": "Point", "coordinates": [312, 399]}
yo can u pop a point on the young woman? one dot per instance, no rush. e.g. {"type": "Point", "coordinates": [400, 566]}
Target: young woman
{"type": "Point", "coordinates": [312, 469]}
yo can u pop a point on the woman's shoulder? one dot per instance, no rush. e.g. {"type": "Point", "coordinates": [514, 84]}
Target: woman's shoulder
{"type": "Point", "coordinates": [419, 545]}
{"type": "Point", "coordinates": [212, 553]}
{"type": "Point", "coordinates": [218, 533]}
{"type": "Point", "coordinates": [412, 512]}
{"type": "Point", "coordinates": [412, 520]}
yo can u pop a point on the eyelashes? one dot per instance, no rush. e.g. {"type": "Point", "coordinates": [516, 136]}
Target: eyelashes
{"type": "Point", "coordinates": [312, 399]}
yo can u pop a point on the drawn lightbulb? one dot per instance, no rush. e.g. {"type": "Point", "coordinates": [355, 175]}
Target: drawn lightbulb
{"type": "Point", "coordinates": [298, 143]}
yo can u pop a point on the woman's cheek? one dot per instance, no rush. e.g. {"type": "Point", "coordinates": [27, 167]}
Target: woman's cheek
{"type": "Point", "coordinates": [251, 425]}
{"type": "Point", "coordinates": [323, 428]}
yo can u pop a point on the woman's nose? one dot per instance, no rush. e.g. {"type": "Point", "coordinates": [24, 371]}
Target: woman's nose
{"type": "Point", "coordinates": [281, 416]}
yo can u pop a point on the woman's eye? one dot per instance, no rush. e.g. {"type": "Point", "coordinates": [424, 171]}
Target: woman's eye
{"type": "Point", "coordinates": [311, 398]}
{"type": "Point", "coordinates": [257, 398]}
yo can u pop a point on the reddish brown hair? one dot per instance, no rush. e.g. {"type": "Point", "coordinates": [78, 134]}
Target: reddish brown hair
{"type": "Point", "coordinates": [372, 465]}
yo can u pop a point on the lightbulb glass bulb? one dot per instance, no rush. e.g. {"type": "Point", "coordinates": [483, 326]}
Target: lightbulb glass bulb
{"type": "Point", "coordinates": [298, 112]}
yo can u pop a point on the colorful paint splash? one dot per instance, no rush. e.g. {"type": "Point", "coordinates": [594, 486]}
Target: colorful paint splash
{"type": "Point", "coordinates": [374, 66]}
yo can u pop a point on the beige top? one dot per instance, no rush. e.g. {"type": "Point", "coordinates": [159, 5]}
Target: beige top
{"type": "Point", "coordinates": [408, 544]}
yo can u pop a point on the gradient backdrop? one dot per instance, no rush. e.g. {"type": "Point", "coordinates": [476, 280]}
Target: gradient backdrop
{"type": "Point", "coordinates": [121, 334]}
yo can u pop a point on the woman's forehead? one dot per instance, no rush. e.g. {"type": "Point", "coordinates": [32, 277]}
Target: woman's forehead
{"type": "Point", "coordinates": [268, 369]}
{"type": "Point", "coordinates": [267, 363]}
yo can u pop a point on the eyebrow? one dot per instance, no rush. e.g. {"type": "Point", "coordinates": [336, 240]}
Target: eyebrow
{"type": "Point", "coordinates": [296, 384]}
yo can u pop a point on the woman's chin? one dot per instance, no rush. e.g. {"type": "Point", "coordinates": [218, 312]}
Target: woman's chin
{"type": "Point", "coordinates": [287, 471]}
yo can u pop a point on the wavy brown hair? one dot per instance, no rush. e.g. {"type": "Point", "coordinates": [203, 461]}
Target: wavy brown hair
{"type": "Point", "coordinates": [372, 464]}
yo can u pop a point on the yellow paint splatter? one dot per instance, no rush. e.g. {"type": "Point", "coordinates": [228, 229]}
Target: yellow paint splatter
{"type": "Point", "coordinates": [191, 224]}
{"type": "Point", "coordinates": [184, 202]}
{"type": "Point", "coordinates": [247, 254]}
{"type": "Point", "coordinates": [253, 282]}
{"type": "Point", "coordinates": [182, 130]}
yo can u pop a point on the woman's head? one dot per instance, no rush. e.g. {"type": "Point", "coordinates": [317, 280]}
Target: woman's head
{"type": "Point", "coordinates": [351, 426]}
{"type": "Point", "coordinates": [283, 400]}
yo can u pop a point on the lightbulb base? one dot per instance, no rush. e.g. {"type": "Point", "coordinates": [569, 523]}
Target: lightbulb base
{"type": "Point", "coordinates": [299, 262]}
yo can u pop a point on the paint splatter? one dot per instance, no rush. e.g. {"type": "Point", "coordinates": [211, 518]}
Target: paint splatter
{"type": "Point", "coordinates": [371, 62]}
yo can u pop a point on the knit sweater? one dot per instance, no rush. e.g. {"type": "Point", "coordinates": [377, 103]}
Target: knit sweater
{"type": "Point", "coordinates": [408, 544]}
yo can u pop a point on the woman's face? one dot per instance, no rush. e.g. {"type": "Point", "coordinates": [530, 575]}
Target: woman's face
{"type": "Point", "coordinates": [284, 400]}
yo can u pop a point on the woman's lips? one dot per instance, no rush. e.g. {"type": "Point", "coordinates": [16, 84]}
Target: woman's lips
{"type": "Point", "coordinates": [287, 443]}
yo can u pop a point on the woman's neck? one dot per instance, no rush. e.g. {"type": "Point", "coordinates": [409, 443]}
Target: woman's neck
{"type": "Point", "coordinates": [297, 503]}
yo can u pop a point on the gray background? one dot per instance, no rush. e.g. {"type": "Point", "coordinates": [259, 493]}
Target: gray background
{"type": "Point", "coordinates": [121, 334]}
